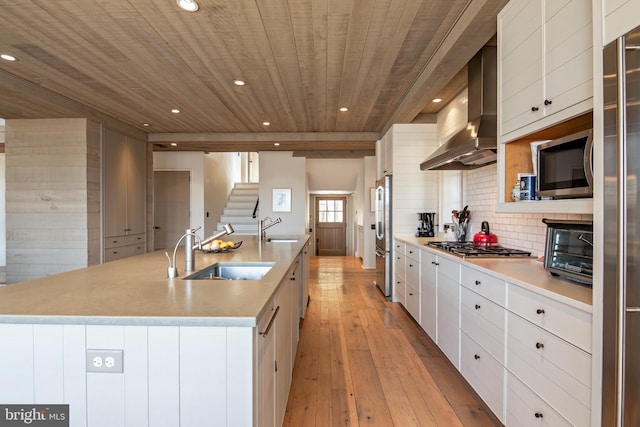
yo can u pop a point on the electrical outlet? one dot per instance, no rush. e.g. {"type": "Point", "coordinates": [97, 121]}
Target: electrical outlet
{"type": "Point", "coordinates": [105, 361]}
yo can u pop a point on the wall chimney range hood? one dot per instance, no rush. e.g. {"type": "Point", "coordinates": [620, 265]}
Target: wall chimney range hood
{"type": "Point", "coordinates": [475, 145]}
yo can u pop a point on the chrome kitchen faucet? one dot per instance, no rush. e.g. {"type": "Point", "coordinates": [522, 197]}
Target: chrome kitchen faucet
{"type": "Point", "coordinates": [190, 249]}
{"type": "Point", "coordinates": [262, 227]}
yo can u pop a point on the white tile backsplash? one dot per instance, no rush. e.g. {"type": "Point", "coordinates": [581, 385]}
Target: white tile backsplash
{"type": "Point", "coordinates": [519, 231]}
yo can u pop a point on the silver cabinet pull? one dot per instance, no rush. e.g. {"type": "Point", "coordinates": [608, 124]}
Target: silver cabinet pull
{"type": "Point", "coordinates": [273, 318]}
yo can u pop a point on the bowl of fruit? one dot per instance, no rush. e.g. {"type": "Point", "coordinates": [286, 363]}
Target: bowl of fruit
{"type": "Point", "coordinates": [218, 246]}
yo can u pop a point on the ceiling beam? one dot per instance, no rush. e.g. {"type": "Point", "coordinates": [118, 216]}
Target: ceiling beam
{"type": "Point", "coordinates": [347, 137]}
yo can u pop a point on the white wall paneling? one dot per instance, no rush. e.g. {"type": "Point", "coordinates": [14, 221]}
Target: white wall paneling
{"type": "Point", "coordinates": [164, 376]}
{"type": "Point", "coordinates": [203, 376]}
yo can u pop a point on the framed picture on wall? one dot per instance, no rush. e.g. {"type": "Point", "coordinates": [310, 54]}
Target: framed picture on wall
{"type": "Point", "coordinates": [281, 200]}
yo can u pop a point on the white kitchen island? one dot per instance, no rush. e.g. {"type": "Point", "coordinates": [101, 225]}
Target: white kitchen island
{"type": "Point", "coordinates": [193, 350]}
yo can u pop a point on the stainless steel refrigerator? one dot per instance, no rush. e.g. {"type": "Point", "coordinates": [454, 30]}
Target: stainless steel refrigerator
{"type": "Point", "coordinates": [383, 236]}
{"type": "Point", "coordinates": [621, 292]}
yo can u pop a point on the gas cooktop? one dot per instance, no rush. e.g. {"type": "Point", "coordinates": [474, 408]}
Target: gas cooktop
{"type": "Point", "coordinates": [468, 249]}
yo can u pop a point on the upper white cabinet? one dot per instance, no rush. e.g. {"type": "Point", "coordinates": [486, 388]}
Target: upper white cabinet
{"type": "Point", "coordinates": [384, 155]}
{"type": "Point", "coordinates": [124, 166]}
{"type": "Point", "coordinates": [620, 17]}
{"type": "Point", "coordinates": [545, 67]}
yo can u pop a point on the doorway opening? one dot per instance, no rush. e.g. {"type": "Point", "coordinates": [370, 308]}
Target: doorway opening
{"type": "Point", "coordinates": [171, 207]}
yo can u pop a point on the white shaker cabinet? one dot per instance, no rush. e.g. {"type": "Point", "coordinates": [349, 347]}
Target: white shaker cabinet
{"type": "Point", "coordinates": [428, 293]}
{"type": "Point", "coordinates": [448, 317]}
{"type": "Point", "coordinates": [620, 17]}
{"type": "Point", "coordinates": [549, 358]}
{"type": "Point", "coordinates": [412, 281]}
{"type": "Point", "coordinates": [399, 280]}
{"type": "Point", "coordinates": [544, 64]}
{"type": "Point", "coordinates": [482, 325]}
{"type": "Point", "coordinates": [276, 342]}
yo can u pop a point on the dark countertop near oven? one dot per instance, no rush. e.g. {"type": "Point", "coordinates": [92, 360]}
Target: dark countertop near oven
{"type": "Point", "coordinates": [525, 272]}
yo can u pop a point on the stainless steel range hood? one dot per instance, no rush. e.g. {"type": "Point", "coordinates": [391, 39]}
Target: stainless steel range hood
{"type": "Point", "coordinates": [476, 144]}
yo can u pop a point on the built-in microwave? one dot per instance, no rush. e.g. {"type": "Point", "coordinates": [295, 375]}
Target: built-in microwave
{"type": "Point", "coordinates": [565, 167]}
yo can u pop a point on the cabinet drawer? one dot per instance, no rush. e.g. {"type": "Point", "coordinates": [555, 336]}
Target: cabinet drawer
{"type": "Point", "coordinates": [138, 249]}
{"type": "Point", "coordinates": [484, 321]}
{"type": "Point", "coordinates": [525, 408]}
{"type": "Point", "coordinates": [412, 271]}
{"type": "Point", "coordinates": [449, 268]}
{"type": "Point", "coordinates": [399, 265]}
{"type": "Point", "coordinates": [413, 302]}
{"type": "Point", "coordinates": [555, 370]}
{"type": "Point", "coordinates": [412, 252]}
{"type": "Point", "coordinates": [114, 242]}
{"type": "Point", "coordinates": [483, 372]}
{"type": "Point", "coordinates": [112, 254]}
{"type": "Point", "coordinates": [399, 290]}
{"type": "Point", "coordinates": [400, 247]}
{"type": "Point", "coordinates": [567, 322]}
{"type": "Point", "coordinates": [486, 285]}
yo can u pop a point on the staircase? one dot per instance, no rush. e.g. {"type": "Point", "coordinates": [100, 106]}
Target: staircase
{"type": "Point", "coordinates": [239, 209]}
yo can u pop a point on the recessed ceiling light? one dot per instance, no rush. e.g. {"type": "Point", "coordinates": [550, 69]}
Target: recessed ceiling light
{"type": "Point", "coordinates": [239, 82]}
{"type": "Point", "coordinates": [8, 57]}
{"type": "Point", "coordinates": [173, 144]}
{"type": "Point", "coordinates": [188, 5]}
{"type": "Point", "coordinates": [276, 144]}
{"type": "Point", "coordinates": [343, 109]}
{"type": "Point", "coordinates": [266, 123]}
{"type": "Point", "coordinates": [436, 100]}
{"type": "Point", "coordinates": [175, 110]}
{"type": "Point", "coordinates": [145, 124]}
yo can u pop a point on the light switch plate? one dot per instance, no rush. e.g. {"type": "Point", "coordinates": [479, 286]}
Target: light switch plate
{"type": "Point", "coordinates": [110, 361]}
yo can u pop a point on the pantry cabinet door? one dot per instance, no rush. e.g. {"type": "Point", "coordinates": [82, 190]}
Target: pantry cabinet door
{"type": "Point", "coordinates": [115, 183]}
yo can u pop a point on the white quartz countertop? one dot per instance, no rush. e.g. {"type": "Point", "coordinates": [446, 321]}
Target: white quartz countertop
{"type": "Point", "coordinates": [136, 290]}
{"type": "Point", "coordinates": [524, 272]}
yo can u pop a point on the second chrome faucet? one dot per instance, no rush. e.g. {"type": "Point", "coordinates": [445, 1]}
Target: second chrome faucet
{"type": "Point", "coordinates": [262, 227]}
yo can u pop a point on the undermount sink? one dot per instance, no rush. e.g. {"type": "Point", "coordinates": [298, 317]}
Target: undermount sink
{"type": "Point", "coordinates": [232, 271]}
{"type": "Point", "coordinates": [283, 239]}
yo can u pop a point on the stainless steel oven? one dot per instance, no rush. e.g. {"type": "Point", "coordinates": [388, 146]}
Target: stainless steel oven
{"type": "Point", "coordinates": [569, 249]}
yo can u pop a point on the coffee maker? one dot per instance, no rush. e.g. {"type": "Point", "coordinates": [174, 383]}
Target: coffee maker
{"type": "Point", "coordinates": [426, 225]}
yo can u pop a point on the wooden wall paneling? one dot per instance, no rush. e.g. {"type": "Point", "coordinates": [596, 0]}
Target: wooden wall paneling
{"type": "Point", "coordinates": [75, 373]}
{"type": "Point", "coordinates": [240, 360]}
{"type": "Point", "coordinates": [136, 376]}
{"type": "Point", "coordinates": [150, 201]}
{"type": "Point", "coordinates": [46, 197]}
{"type": "Point", "coordinates": [164, 375]}
{"type": "Point", "coordinates": [203, 376]}
{"type": "Point", "coordinates": [48, 363]}
{"type": "Point", "coordinates": [94, 192]}
{"type": "Point", "coordinates": [105, 391]}
{"type": "Point", "coordinates": [16, 363]}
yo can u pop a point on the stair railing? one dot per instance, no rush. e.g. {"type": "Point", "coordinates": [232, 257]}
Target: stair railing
{"type": "Point", "coordinates": [255, 209]}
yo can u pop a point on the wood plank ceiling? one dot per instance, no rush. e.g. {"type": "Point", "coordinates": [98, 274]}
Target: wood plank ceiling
{"type": "Point", "coordinates": [135, 60]}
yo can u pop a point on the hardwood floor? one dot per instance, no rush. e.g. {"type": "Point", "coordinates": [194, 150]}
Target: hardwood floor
{"type": "Point", "coordinates": [364, 361]}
